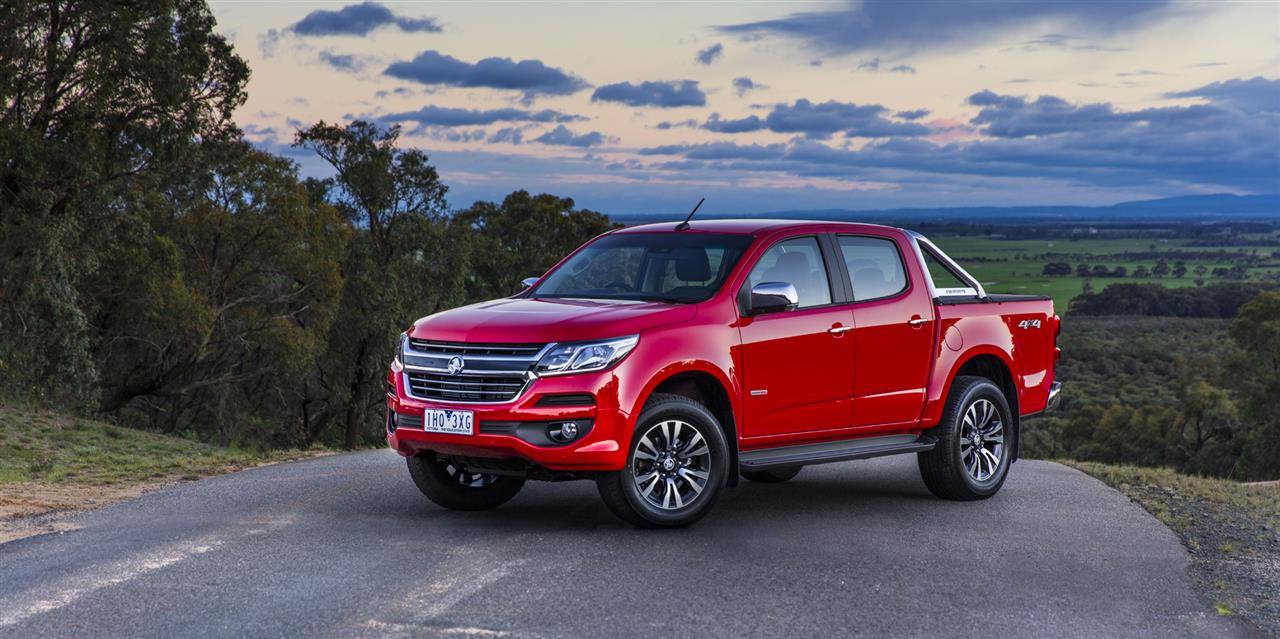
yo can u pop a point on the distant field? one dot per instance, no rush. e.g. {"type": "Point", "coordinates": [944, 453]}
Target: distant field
{"type": "Point", "coordinates": [1022, 262]}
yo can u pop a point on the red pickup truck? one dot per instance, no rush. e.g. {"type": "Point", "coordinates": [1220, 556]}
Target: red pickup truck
{"type": "Point", "coordinates": [663, 361]}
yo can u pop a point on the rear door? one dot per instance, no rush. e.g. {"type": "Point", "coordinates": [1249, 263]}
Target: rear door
{"type": "Point", "coordinates": [894, 336]}
{"type": "Point", "coordinates": [796, 367]}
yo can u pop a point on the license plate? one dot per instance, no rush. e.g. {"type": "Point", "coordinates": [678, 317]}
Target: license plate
{"type": "Point", "coordinates": [453, 422]}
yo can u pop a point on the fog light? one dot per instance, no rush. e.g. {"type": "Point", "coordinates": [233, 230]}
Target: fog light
{"type": "Point", "coordinates": [565, 432]}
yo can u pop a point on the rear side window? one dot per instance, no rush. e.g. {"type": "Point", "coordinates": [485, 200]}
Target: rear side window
{"type": "Point", "coordinates": [943, 277]}
{"type": "Point", "coordinates": [797, 262]}
{"type": "Point", "coordinates": [875, 266]}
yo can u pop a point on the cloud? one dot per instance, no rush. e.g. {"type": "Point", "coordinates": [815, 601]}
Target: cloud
{"type": "Point", "coordinates": [509, 135]}
{"type": "Point", "coordinates": [1063, 41]}
{"type": "Point", "coordinates": [874, 65]}
{"type": "Point", "coordinates": [720, 151]}
{"type": "Point", "coordinates": [1256, 95]}
{"type": "Point", "coordinates": [1138, 73]}
{"type": "Point", "coordinates": [658, 94]}
{"type": "Point", "coordinates": [562, 136]}
{"type": "Point", "coordinates": [268, 42]}
{"type": "Point", "coordinates": [821, 120]}
{"type": "Point", "coordinates": [359, 20]}
{"type": "Point", "coordinates": [1050, 141]}
{"type": "Point", "coordinates": [915, 114]}
{"type": "Point", "coordinates": [663, 126]}
{"type": "Point", "coordinates": [342, 62]}
{"type": "Point", "coordinates": [744, 84]}
{"type": "Point", "coordinates": [903, 27]}
{"type": "Point", "coordinates": [742, 125]}
{"type": "Point", "coordinates": [449, 116]}
{"type": "Point", "coordinates": [710, 54]}
{"type": "Point", "coordinates": [531, 77]}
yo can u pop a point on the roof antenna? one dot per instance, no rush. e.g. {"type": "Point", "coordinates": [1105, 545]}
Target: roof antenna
{"type": "Point", "coordinates": [685, 224]}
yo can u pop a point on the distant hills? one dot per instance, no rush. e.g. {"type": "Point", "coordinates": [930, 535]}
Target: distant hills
{"type": "Point", "coordinates": [1216, 207]}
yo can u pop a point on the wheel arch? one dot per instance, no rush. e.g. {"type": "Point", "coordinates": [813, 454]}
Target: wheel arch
{"type": "Point", "coordinates": [708, 388]}
{"type": "Point", "coordinates": [995, 366]}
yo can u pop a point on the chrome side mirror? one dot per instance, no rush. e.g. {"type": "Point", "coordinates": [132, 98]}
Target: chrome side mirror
{"type": "Point", "coordinates": [529, 281]}
{"type": "Point", "coordinates": [771, 297]}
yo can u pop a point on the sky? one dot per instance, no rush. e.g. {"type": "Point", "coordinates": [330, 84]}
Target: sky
{"type": "Point", "coordinates": [645, 107]}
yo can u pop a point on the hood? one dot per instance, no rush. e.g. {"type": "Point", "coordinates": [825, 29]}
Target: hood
{"type": "Point", "coordinates": [548, 320]}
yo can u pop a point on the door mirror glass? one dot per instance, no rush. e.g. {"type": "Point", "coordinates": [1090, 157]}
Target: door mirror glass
{"type": "Point", "coordinates": [529, 281]}
{"type": "Point", "coordinates": [771, 297]}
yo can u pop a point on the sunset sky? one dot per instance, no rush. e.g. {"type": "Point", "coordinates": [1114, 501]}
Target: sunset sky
{"type": "Point", "coordinates": [634, 108]}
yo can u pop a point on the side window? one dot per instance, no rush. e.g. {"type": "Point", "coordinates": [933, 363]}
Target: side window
{"type": "Point", "coordinates": [797, 262]}
{"type": "Point", "coordinates": [943, 277]}
{"type": "Point", "coordinates": [875, 266]}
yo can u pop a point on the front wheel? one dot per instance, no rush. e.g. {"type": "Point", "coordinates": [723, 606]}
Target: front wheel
{"type": "Point", "coordinates": [677, 463]}
{"type": "Point", "coordinates": [453, 486]}
{"type": "Point", "coordinates": [971, 459]}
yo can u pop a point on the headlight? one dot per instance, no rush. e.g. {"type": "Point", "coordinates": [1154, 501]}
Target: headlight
{"type": "Point", "coordinates": [402, 343]}
{"type": "Point", "coordinates": [581, 357]}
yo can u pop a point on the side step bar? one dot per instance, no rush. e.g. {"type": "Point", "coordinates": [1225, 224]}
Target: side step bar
{"type": "Point", "coordinates": [822, 453]}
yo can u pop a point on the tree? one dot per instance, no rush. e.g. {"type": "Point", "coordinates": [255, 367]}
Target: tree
{"type": "Point", "coordinates": [210, 318]}
{"type": "Point", "coordinates": [1057, 269]}
{"type": "Point", "coordinates": [1101, 270]}
{"type": "Point", "coordinates": [523, 237]}
{"type": "Point", "coordinates": [1082, 270]}
{"type": "Point", "coordinates": [95, 95]}
{"type": "Point", "coordinates": [1200, 270]}
{"type": "Point", "coordinates": [409, 261]}
{"type": "Point", "coordinates": [1180, 269]}
{"type": "Point", "coordinates": [1256, 377]}
{"type": "Point", "coordinates": [1141, 271]}
{"type": "Point", "coordinates": [1119, 272]}
{"type": "Point", "coordinates": [1161, 269]}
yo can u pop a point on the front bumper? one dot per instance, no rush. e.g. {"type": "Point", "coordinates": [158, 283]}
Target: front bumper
{"type": "Point", "coordinates": [1055, 397]}
{"type": "Point", "coordinates": [503, 431]}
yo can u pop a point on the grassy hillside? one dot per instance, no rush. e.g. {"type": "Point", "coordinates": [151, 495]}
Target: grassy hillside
{"type": "Point", "coordinates": [48, 447]}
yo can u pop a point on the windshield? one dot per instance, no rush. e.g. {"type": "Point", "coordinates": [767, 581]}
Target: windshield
{"type": "Point", "coordinates": [672, 267]}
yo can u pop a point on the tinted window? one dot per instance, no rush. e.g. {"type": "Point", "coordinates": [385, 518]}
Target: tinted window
{"type": "Point", "coordinates": [875, 266]}
{"type": "Point", "coordinates": [678, 267]}
{"type": "Point", "coordinates": [797, 262]}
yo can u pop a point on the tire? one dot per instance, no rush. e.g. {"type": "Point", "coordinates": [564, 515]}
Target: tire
{"type": "Point", "coordinates": [679, 429]}
{"type": "Point", "coordinates": [774, 476]}
{"type": "Point", "coordinates": [453, 487]}
{"type": "Point", "coordinates": [955, 469]}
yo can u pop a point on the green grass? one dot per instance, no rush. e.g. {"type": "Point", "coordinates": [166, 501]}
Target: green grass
{"type": "Point", "coordinates": [1022, 272]}
{"type": "Point", "coordinates": [49, 447]}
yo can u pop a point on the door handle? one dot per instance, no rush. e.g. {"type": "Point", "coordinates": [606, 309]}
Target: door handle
{"type": "Point", "coordinates": [839, 330]}
{"type": "Point", "coordinates": [917, 321]}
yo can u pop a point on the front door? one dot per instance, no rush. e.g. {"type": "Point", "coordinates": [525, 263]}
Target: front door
{"type": "Point", "coordinates": [796, 365]}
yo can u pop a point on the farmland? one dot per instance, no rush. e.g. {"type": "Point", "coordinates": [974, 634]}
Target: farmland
{"type": "Point", "coordinates": [1006, 265]}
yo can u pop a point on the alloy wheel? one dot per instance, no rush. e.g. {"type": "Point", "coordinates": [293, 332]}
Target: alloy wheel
{"type": "Point", "coordinates": [982, 440]}
{"type": "Point", "coordinates": [671, 465]}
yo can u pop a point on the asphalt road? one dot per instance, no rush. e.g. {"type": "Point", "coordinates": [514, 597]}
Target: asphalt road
{"type": "Point", "coordinates": [346, 546]}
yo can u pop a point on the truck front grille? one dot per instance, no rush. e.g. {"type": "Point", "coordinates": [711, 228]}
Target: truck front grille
{"type": "Point", "coordinates": [479, 372]}
{"type": "Point", "coordinates": [464, 388]}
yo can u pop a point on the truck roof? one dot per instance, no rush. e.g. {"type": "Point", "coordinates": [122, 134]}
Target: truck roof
{"type": "Point", "coordinates": [747, 226]}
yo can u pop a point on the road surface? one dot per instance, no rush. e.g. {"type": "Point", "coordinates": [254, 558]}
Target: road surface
{"type": "Point", "coordinates": [346, 546]}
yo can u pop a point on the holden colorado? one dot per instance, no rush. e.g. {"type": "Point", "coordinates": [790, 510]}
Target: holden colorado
{"type": "Point", "coordinates": [664, 361]}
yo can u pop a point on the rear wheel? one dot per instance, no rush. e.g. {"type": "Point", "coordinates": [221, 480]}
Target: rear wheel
{"type": "Point", "coordinates": [676, 466]}
{"type": "Point", "coordinates": [453, 486]}
{"type": "Point", "coordinates": [774, 476]}
{"type": "Point", "coordinates": [971, 459]}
